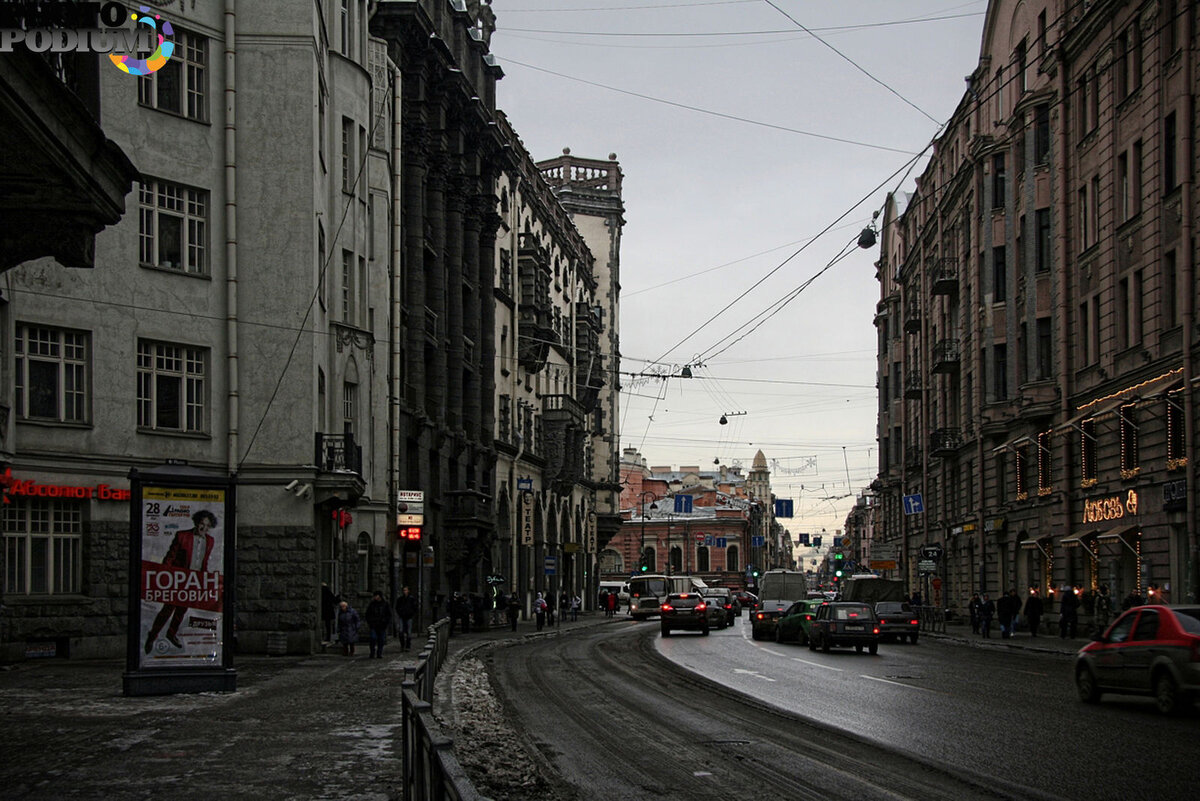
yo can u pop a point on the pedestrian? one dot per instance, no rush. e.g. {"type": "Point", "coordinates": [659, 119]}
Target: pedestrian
{"type": "Point", "coordinates": [611, 605]}
{"type": "Point", "coordinates": [1133, 599]}
{"type": "Point", "coordinates": [604, 601]}
{"type": "Point", "coordinates": [329, 609]}
{"type": "Point", "coordinates": [378, 616]}
{"type": "Point", "coordinates": [539, 611]}
{"type": "Point", "coordinates": [1068, 617]}
{"type": "Point", "coordinates": [347, 628]}
{"type": "Point", "coordinates": [514, 610]}
{"type": "Point", "coordinates": [497, 605]}
{"type": "Point", "coordinates": [1033, 610]}
{"type": "Point", "coordinates": [916, 599]}
{"type": "Point", "coordinates": [550, 609]}
{"type": "Point", "coordinates": [465, 607]}
{"type": "Point", "coordinates": [477, 610]}
{"type": "Point", "coordinates": [973, 607]}
{"type": "Point", "coordinates": [576, 602]}
{"type": "Point", "coordinates": [1103, 608]}
{"type": "Point", "coordinates": [1004, 614]}
{"type": "Point", "coordinates": [406, 610]}
{"type": "Point", "coordinates": [987, 610]}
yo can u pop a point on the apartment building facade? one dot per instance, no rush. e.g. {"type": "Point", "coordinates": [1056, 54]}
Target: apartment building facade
{"type": "Point", "coordinates": [1037, 331]}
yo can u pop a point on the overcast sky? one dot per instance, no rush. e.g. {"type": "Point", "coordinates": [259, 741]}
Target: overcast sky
{"type": "Point", "coordinates": [745, 128]}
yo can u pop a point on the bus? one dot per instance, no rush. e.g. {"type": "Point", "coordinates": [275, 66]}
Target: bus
{"type": "Point", "coordinates": [647, 592]}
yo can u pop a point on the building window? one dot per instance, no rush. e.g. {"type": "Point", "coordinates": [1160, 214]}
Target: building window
{"type": "Point", "coordinates": [1123, 188]}
{"type": "Point", "coordinates": [1169, 162]}
{"type": "Point", "coordinates": [347, 287]}
{"type": "Point", "coordinates": [349, 406]}
{"type": "Point", "coordinates": [1094, 210]}
{"type": "Point", "coordinates": [173, 226]}
{"type": "Point", "coordinates": [998, 179]}
{"type": "Point", "coordinates": [43, 544]}
{"type": "Point", "coordinates": [1176, 439]}
{"type": "Point", "coordinates": [1041, 33]}
{"type": "Point", "coordinates": [731, 559]}
{"type": "Point", "coordinates": [171, 387]}
{"type": "Point", "coordinates": [1041, 134]}
{"type": "Point", "coordinates": [1042, 253]}
{"type": "Point", "coordinates": [1001, 468]}
{"type": "Point", "coordinates": [1045, 348]}
{"type": "Point", "coordinates": [1087, 446]}
{"type": "Point", "coordinates": [1084, 217]}
{"type": "Point", "coordinates": [181, 85]}
{"type": "Point", "coordinates": [1081, 105]}
{"type": "Point", "coordinates": [1022, 472]}
{"type": "Point", "coordinates": [1000, 374]}
{"type": "Point", "coordinates": [702, 559]}
{"type": "Point", "coordinates": [344, 26]}
{"type": "Point", "coordinates": [999, 275]}
{"type": "Point", "coordinates": [1129, 441]}
{"type": "Point", "coordinates": [1019, 64]}
{"type": "Point", "coordinates": [1044, 464]}
{"type": "Point", "coordinates": [51, 381]}
{"type": "Point", "coordinates": [364, 561]}
{"type": "Point", "coordinates": [1135, 180]}
{"type": "Point", "coordinates": [347, 155]}
{"type": "Point", "coordinates": [1123, 314]}
{"type": "Point", "coordinates": [1170, 282]}
{"type": "Point", "coordinates": [321, 127]}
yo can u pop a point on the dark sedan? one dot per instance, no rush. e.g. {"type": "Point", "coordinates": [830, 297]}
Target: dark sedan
{"type": "Point", "coordinates": [897, 621]}
{"type": "Point", "coordinates": [1149, 650]}
{"type": "Point", "coordinates": [845, 623]}
{"type": "Point", "coordinates": [685, 611]}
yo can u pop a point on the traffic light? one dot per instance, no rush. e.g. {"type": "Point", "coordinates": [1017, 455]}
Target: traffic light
{"type": "Point", "coordinates": [837, 574]}
{"type": "Point", "coordinates": [409, 533]}
{"type": "Point", "coordinates": [837, 557]}
{"type": "Point", "coordinates": [754, 572]}
{"type": "Point", "coordinates": [645, 563]}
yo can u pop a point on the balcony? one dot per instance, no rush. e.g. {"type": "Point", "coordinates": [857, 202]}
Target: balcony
{"type": "Point", "coordinates": [943, 276]}
{"type": "Point", "coordinates": [562, 409]}
{"type": "Point", "coordinates": [945, 356]}
{"type": "Point", "coordinates": [468, 508]}
{"type": "Point", "coordinates": [945, 442]}
{"type": "Point", "coordinates": [339, 468]}
{"type": "Point", "coordinates": [912, 316]}
{"type": "Point", "coordinates": [914, 384]}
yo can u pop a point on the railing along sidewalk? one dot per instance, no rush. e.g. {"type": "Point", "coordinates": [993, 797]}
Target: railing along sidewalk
{"type": "Point", "coordinates": [431, 771]}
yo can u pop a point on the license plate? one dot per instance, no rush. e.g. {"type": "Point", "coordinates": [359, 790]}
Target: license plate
{"type": "Point", "coordinates": [856, 628]}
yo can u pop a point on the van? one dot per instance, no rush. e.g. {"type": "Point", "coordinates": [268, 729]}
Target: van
{"type": "Point", "coordinates": [621, 588]}
{"type": "Point", "coordinates": [647, 591]}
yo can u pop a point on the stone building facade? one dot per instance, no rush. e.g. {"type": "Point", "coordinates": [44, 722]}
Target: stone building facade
{"type": "Point", "coordinates": [1037, 328]}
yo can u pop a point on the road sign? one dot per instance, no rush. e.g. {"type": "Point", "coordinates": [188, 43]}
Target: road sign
{"type": "Point", "coordinates": [913, 505]}
{"type": "Point", "coordinates": [784, 507]}
{"type": "Point", "coordinates": [551, 565]}
{"type": "Point", "coordinates": [722, 542]}
{"type": "Point", "coordinates": [757, 542]}
{"type": "Point", "coordinates": [700, 537]}
{"type": "Point", "coordinates": [410, 496]}
{"type": "Point", "coordinates": [926, 566]}
{"type": "Point", "coordinates": [525, 483]}
{"type": "Point", "coordinates": [683, 504]}
{"type": "Point", "coordinates": [931, 552]}
{"type": "Point", "coordinates": [710, 540]}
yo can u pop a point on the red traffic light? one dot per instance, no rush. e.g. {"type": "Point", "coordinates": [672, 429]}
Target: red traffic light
{"type": "Point", "coordinates": [410, 533]}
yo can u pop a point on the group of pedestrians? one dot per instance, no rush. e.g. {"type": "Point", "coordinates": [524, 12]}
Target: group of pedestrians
{"type": "Point", "coordinates": [1006, 611]}
{"type": "Point", "coordinates": [344, 620]}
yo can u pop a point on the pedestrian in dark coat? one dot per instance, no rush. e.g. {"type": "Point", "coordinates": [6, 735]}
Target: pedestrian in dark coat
{"type": "Point", "coordinates": [604, 602]}
{"type": "Point", "coordinates": [550, 608]}
{"type": "Point", "coordinates": [347, 628]}
{"type": "Point", "coordinates": [973, 607]}
{"type": "Point", "coordinates": [987, 610]}
{"type": "Point", "coordinates": [1068, 617]}
{"type": "Point", "coordinates": [539, 611]}
{"type": "Point", "coordinates": [1004, 614]}
{"type": "Point", "coordinates": [514, 610]}
{"type": "Point", "coordinates": [406, 610]}
{"type": "Point", "coordinates": [1033, 610]}
{"type": "Point", "coordinates": [378, 615]}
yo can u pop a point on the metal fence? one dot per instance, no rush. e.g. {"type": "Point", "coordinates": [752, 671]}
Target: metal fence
{"type": "Point", "coordinates": [431, 771]}
{"type": "Point", "coordinates": [933, 618]}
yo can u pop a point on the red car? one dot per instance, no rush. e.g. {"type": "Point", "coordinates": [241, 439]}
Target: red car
{"type": "Point", "coordinates": [1149, 650]}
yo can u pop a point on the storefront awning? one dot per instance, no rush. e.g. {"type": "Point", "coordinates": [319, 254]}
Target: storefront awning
{"type": "Point", "coordinates": [1146, 390]}
{"type": "Point", "coordinates": [1075, 540]}
{"type": "Point", "coordinates": [1036, 545]}
{"type": "Point", "coordinates": [1120, 535]}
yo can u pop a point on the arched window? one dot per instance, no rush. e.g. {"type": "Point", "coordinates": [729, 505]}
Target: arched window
{"type": "Point", "coordinates": [731, 559]}
{"type": "Point", "coordinates": [364, 562]}
{"type": "Point", "coordinates": [676, 559]}
{"type": "Point", "coordinates": [610, 561]}
{"type": "Point", "coordinates": [651, 559]}
{"type": "Point", "coordinates": [702, 559]}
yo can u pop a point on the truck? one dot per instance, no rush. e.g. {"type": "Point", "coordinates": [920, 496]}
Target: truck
{"type": "Point", "coordinates": [777, 590]}
{"type": "Point", "coordinates": [871, 589]}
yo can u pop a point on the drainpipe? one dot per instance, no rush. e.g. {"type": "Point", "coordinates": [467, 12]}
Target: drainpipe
{"type": "Point", "coordinates": [1187, 248]}
{"type": "Point", "coordinates": [1062, 238]}
{"type": "Point", "coordinates": [396, 380]}
{"type": "Point", "coordinates": [231, 263]}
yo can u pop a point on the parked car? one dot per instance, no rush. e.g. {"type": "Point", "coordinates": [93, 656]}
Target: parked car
{"type": "Point", "coordinates": [845, 623]}
{"type": "Point", "coordinates": [723, 598]}
{"type": "Point", "coordinates": [1149, 650]}
{"type": "Point", "coordinates": [685, 611]}
{"type": "Point", "coordinates": [795, 625]}
{"type": "Point", "coordinates": [897, 621]}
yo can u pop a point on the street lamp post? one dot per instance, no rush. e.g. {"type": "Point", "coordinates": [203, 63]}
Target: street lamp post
{"type": "Point", "coordinates": [642, 544]}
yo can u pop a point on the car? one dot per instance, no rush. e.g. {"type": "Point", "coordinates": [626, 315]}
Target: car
{"type": "Point", "coordinates": [777, 590]}
{"type": "Point", "coordinates": [721, 596]}
{"type": "Point", "coordinates": [795, 624]}
{"type": "Point", "coordinates": [897, 621]}
{"type": "Point", "coordinates": [1149, 650]}
{"type": "Point", "coordinates": [685, 611]}
{"type": "Point", "coordinates": [845, 623]}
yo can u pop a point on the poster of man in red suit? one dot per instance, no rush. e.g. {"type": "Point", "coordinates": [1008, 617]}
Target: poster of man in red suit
{"type": "Point", "coordinates": [183, 583]}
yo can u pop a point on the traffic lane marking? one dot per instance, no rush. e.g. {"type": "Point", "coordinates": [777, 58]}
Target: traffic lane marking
{"type": "Point", "coordinates": [901, 684]}
{"type": "Point", "coordinates": [816, 664]}
{"type": "Point", "coordinates": [754, 673]}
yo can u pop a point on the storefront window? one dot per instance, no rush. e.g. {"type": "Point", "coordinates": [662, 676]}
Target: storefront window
{"type": "Point", "coordinates": [43, 543]}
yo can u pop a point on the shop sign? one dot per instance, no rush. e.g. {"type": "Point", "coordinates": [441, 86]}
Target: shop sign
{"type": "Point", "coordinates": [527, 518]}
{"type": "Point", "coordinates": [31, 489]}
{"type": "Point", "coordinates": [1175, 495]}
{"type": "Point", "coordinates": [993, 525]}
{"type": "Point", "coordinates": [1112, 508]}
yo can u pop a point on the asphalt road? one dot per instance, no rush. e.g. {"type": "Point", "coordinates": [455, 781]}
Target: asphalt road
{"type": "Point", "coordinates": [621, 713]}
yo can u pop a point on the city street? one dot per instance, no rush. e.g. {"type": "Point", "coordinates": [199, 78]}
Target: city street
{"type": "Point", "coordinates": [943, 719]}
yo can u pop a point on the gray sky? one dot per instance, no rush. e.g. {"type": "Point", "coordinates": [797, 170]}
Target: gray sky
{"type": "Point", "coordinates": [729, 146]}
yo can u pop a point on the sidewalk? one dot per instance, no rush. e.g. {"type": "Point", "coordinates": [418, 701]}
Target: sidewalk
{"type": "Point", "coordinates": [1021, 640]}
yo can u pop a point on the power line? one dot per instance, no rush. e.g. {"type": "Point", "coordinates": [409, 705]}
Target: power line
{"type": "Point", "coordinates": [696, 34]}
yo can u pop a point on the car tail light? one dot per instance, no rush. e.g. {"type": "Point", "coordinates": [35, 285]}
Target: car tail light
{"type": "Point", "coordinates": [875, 630]}
{"type": "Point", "coordinates": [759, 615]}
{"type": "Point", "coordinates": [666, 607]}
{"type": "Point", "coordinates": [701, 606]}
{"type": "Point", "coordinates": [915, 622]}
{"type": "Point", "coordinates": [728, 606]}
